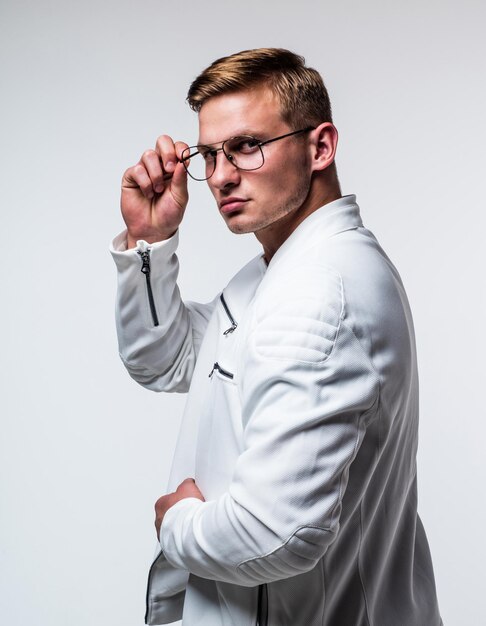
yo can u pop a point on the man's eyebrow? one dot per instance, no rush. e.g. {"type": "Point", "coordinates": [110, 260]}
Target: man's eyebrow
{"type": "Point", "coordinates": [245, 131]}
{"type": "Point", "coordinates": [249, 131]}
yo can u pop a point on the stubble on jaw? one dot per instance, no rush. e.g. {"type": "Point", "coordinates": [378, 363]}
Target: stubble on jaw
{"type": "Point", "coordinates": [276, 215]}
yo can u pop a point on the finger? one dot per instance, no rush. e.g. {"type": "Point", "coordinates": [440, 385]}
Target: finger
{"type": "Point", "coordinates": [186, 486]}
{"type": "Point", "coordinates": [179, 147]}
{"type": "Point", "coordinates": [166, 150]}
{"type": "Point", "coordinates": [157, 528]}
{"type": "Point", "coordinates": [153, 165]}
{"type": "Point", "coordinates": [137, 176]}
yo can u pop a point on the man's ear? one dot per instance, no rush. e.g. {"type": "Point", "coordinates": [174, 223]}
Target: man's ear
{"type": "Point", "coordinates": [323, 144]}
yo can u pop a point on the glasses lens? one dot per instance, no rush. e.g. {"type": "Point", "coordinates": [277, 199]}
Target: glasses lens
{"type": "Point", "coordinates": [244, 152]}
{"type": "Point", "coordinates": [199, 161]}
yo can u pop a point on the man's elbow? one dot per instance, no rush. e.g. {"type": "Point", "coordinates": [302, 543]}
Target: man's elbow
{"type": "Point", "coordinates": [297, 555]}
{"type": "Point", "coordinates": [174, 381]}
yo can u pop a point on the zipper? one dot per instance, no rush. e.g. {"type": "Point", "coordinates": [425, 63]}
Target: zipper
{"type": "Point", "coordinates": [222, 371]}
{"type": "Point", "coordinates": [228, 313]}
{"type": "Point", "coordinates": [262, 607]}
{"type": "Point", "coordinates": [145, 256]}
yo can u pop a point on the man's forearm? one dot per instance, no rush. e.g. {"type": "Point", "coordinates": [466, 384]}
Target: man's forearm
{"type": "Point", "coordinates": [154, 327]}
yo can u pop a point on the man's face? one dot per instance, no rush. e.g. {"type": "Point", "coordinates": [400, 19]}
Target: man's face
{"type": "Point", "coordinates": [261, 197]}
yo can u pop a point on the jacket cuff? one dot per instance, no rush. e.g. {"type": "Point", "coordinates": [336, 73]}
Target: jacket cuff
{"type": "Point", "coordinates": [174, 520]}
{"type": "Point", "coordinates": [160, 251]}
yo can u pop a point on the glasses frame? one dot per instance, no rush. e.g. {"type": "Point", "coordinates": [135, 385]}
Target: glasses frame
{"type": "Point", "coordinates": [260, 144]}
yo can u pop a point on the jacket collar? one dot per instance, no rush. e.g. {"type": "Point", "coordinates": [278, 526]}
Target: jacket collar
{"type": "Point", "coordinates": [332, 218]}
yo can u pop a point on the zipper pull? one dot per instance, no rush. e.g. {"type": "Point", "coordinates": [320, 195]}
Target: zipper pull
{"type": "Point", "coordinates": [222, 371]}
{"type": "Point", "coordinates": [145, 255]}
{"type": "Point", "coordinates": [230, 317]}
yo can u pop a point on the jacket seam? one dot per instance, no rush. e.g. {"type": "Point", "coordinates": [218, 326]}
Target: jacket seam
{"type": "Point", "coordinates": [360, 573]}
{"type": "Point", "coordinates": [323, 575]}
{"type": "Point", "coordinates": [363, 351]}
{"type": "Point", "coordinates": [360, 569]}
{"type": "Point", "coordinates": [353, 453]}
{"type": "Point", "coordinates": [346, 466]}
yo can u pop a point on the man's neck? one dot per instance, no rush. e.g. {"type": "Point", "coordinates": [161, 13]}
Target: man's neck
{"type": "Point", "coordinates": [274, 235]}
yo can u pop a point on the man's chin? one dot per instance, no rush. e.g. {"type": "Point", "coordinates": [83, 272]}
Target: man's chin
{"type": "Point", "coordinates": [239, 227]}
{"type": "Point", "coordinates": [240, 230]}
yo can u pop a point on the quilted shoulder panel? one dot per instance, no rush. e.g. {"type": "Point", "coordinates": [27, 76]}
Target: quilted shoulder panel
{"type": "Point", "coordinates": [299, 319]}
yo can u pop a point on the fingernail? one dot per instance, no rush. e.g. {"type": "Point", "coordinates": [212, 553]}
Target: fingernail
{"type": "Point", "coordinates": [159, 188]}
{"type": "Point", "coordinates": [169, 165]}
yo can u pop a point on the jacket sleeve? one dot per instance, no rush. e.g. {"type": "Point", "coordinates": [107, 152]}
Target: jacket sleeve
{"type": "Point", "coordinates": [308, 392]}
{"type": "Point", "coordinates": [158, 334]}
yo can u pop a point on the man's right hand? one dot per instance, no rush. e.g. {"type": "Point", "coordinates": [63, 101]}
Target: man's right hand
{"type": "Point", "coordinates": [154, 193]}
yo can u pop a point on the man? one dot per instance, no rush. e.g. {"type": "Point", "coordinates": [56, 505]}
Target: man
{"type": "Point", "coordinates": [294, 479]}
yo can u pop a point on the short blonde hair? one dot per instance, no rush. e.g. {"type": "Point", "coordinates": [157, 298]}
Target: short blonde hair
{"type": "Point", "coordinates": [300, 90]}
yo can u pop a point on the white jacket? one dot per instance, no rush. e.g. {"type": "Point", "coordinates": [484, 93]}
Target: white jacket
{"type": "Point", "coordinates": [300, 429]}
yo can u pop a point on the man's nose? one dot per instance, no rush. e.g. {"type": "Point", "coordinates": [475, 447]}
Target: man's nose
{"type": "Point", "coordinates": [225, 173]}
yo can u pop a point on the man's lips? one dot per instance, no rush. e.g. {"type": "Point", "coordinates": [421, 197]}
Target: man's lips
{"type": "Point", "coordinates": [231, 204]}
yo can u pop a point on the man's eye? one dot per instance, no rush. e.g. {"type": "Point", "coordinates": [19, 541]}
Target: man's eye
{"type": "Point", "coordinates": [247, 145]}
{"type": "Point", "coordinates": [208, 154]}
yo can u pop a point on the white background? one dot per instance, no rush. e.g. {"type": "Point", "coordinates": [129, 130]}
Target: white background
{"type": "Point", "coordinates": [86, 88]}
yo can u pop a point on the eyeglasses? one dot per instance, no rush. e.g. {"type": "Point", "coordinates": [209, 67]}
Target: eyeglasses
{"type": "Point", "coordinates": [244, 152]}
